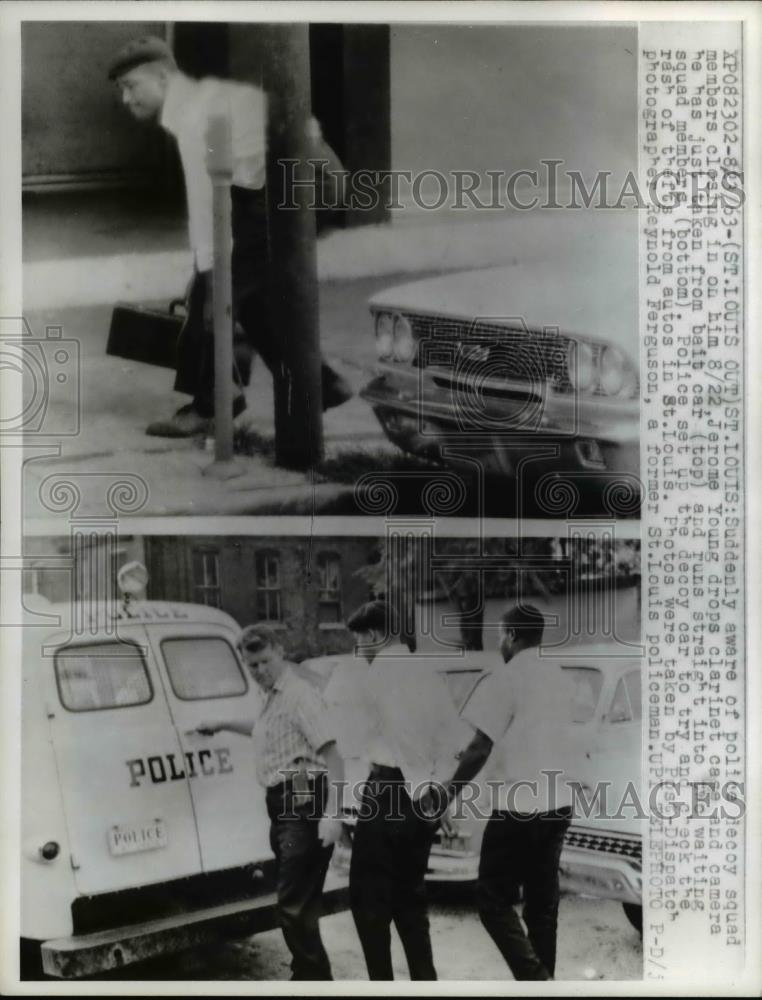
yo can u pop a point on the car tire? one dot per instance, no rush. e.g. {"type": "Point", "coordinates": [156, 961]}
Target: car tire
{"type": "Point", "coordinates": [634, 914]}
{"type": "Point", "coordinates": [30, 961]}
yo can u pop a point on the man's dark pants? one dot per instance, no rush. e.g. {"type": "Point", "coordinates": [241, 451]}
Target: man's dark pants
{"type": "Point", "coordinates": [390, 853]}
{"type": "Point", "coordinates": [302, 865]}
{"type": "Point", "coordinates": [195, 348]}
{"type": "Point", "coordinates": [520, 850]}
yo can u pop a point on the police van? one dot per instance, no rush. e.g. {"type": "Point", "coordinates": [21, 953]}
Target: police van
{"type": "Point", "coordinates": [139, 835]}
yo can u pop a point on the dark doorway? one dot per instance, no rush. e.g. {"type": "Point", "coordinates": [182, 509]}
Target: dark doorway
{"type": "Point", "coordinates": [349, 74]}
{"type": "Point", "coordinates": [201, 48]}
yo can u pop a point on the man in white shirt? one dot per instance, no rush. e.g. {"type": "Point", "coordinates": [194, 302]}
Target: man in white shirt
{"type": "Point", "coordinates": [524, 734]}
{"type": "Point", "coordinates": [154, 90]}
{"type": "Point", "coordinates": [302, 773]}
{"type": "Point", "coordinates": [411, 728]}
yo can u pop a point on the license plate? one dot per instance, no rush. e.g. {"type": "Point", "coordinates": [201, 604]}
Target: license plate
{"type": "Point", "coordinates": [133, 838]}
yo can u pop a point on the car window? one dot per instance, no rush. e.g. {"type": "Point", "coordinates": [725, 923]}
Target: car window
{"type": "Point", "coordinates": [101, 675]}
{"type": "Point", "coordinates": [460, 684]}
{"type": "Point", "coordinates": [634, 693]}
{"type": "Point", "coordinates": [621, 710]}
{"type": "Point", "coordinates": [203, 667]}
{"type": "Point", "coordinates": [587, 682]}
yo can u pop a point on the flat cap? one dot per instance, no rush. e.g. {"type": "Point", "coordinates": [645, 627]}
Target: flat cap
{"type": "Point", "coordinates": [147, 49]}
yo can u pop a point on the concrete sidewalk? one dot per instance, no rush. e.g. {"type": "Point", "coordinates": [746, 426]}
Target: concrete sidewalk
{"type": "Point", "coordinates": [97, 249]}
{"type": "Point", "coordinates": [67, 290]}
{"type": "Point", "coordinates": [118, 398]}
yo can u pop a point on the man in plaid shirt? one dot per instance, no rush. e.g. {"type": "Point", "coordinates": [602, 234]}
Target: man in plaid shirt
{"type": "Point", "coordinates": [301, 770]}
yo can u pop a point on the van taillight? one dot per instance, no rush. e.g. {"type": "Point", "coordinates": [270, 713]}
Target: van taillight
{"type": "Point", "coordinates": [50, 850]}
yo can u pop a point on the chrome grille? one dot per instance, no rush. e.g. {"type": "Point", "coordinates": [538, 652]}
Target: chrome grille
{"type": "Point", "coordinates": [482, 348]}
{"type": "Point", "coordinates": [605, 842]}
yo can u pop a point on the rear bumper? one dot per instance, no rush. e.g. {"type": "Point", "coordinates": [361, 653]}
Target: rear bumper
{"type": "Point", "coordinates": [101, 951]}
{"type": "Point", "coordinates": [424, 413]}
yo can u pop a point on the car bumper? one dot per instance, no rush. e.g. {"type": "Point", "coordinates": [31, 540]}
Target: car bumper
{"type": "Point", "coordinates": [102, 951]}
{"type": "Point", "coordinates": [426, 413]}
{"type": "Point", "coordinates": [584, 874]}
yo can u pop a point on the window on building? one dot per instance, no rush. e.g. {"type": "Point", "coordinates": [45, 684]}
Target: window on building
{"type": "Point", "coordinates": [206, 577]}
{"type": "Point", "coordinates": [329, 583]}
{"type": "Point", "coordinates": [268, 587]}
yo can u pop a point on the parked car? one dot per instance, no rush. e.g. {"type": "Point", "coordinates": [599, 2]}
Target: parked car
{"type": "Point", "coordinates": [139, 836]}
{"type": "Point", "coordinates": [602, 856]}
{"type": "Point", "coordinates": [523, 370]}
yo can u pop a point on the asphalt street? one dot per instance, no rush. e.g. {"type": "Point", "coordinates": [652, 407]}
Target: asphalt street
{"type": "Point", "coordinates": [96, 434]}
{"type": "Point", "coordinates": [595, 942]}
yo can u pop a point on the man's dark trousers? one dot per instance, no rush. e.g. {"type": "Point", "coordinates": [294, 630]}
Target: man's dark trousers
{"type": "Point", "coordinates": [520, 850]}
{"type": "Point", "coordinates": [302, 865]}
{"type": "Point", "coordinates": [195, 348]}
{"type": "Point", "coordinates": [390, 853]}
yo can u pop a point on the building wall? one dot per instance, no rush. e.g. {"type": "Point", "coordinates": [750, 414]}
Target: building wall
{"type": "Point", "coordinates": [175, 567]}
{"type": "Point", "coordinates": [72, 126]}
{"type": "Point", "coordinates": [74, 133]}
{"type": "Point", "coordinates": [462, 97]}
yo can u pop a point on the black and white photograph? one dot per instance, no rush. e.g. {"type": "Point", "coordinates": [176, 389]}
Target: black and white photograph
{"type": "Point", "coordinates": [433, 276]}
{"type": "Point", "coordinates": [379, 509]}
{"type": "Point", "coordinates": [482, 727]}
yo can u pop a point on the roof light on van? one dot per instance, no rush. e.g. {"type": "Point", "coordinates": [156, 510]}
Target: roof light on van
{"type": "Point", "coordinates": [132, 579]}
{"type": "Point", "coordinates": [50, 850]}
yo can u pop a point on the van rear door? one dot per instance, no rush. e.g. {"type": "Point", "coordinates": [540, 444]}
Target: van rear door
{"type": "Point", "coordinates": [130, 820]}
{"type": "Point", "coordinates": [205, 682]}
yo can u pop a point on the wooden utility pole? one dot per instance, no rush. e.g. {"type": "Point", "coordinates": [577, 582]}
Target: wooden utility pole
{"type": "Point", "coordinates": [220, 167]}
{"type": "Point", "coordinates": [293, 257]}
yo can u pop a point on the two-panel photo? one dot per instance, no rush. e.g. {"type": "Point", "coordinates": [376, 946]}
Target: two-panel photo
{"type": "Point", "coordinates": [331, 498]}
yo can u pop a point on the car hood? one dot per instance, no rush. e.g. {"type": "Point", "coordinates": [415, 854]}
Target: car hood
{"type": "Point", "coordinates": [585, 295]}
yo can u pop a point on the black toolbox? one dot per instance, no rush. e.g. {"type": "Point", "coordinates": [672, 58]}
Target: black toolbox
{"type": "Point", "coordinates": [148, 335]}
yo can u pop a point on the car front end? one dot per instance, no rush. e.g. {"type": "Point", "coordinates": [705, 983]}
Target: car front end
{"type": "Point", "coordinates": [458, 380]}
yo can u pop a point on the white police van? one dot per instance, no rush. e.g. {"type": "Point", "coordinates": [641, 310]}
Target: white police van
{"type": "Point", "coordinates": [139, 836]}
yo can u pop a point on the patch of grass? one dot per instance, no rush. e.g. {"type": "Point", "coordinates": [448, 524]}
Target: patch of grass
{"type": "Point", "coordinates": [247, 441]}
{"type": "Point", "coordinates": [351, 465]}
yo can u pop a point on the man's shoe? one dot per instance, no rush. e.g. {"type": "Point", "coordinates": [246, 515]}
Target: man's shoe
{"type": "Point", "coordinates": [338, 392]}
{"type": "Point", "coordinates": [187, 422]}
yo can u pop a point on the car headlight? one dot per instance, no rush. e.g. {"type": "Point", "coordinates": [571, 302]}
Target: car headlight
{"type": "Point", "coordinates": [583, 371]}
{"type": "Point", "coordinates": [404, 342]}
{"type": "Point", "coordinates": [384, 335]}
{"type": "Point", "coordinates": [613, 371]}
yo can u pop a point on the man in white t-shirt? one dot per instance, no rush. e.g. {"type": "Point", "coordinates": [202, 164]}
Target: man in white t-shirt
{"type": "Point", "coordinates": [524, 741]}
{"type": "Point", "coordinates": [410, 741]}
{"type": "Point", "coordinates": [153, 89]}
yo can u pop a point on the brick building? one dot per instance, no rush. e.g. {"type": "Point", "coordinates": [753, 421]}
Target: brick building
{"type": "Point", "coordinates": [309, 585]}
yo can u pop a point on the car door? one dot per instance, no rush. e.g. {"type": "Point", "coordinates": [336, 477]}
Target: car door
{"type": "Point", "coordinates": [114, 742]}
{"type": "Point", "coordinates": [204, 681]}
